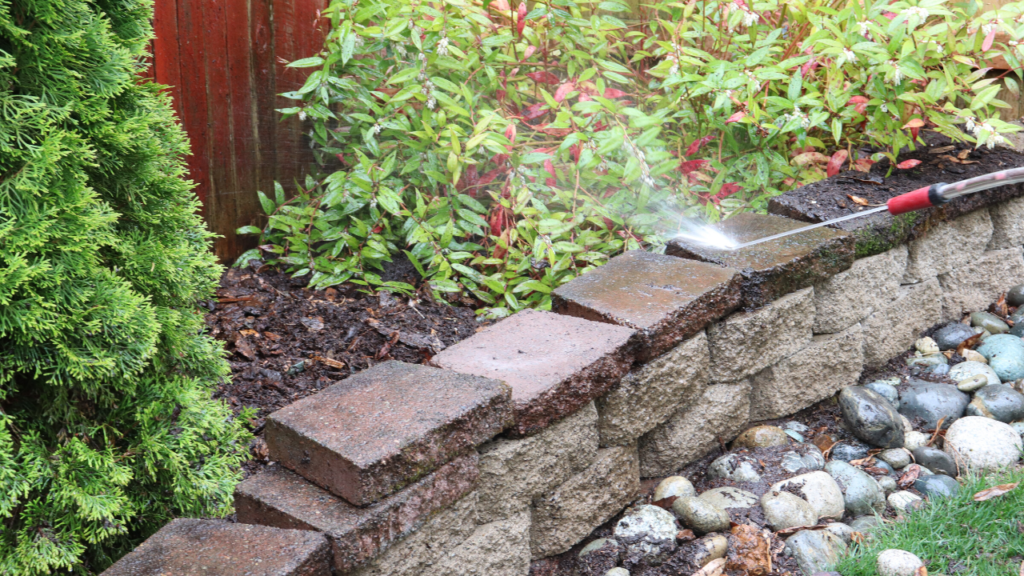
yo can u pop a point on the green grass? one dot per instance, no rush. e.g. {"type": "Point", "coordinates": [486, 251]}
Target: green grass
{"type": "Point", "coordinates": [986, 537]}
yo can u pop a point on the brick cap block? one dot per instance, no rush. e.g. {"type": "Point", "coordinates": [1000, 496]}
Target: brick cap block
{"type": "Point", "coordinates": [773, 269]}
{"type": "Point", "coordinates": [374, 433]}
{"type": "Point", "coordinates": [665, 299]}
{"type": "Point", "coordinates": [555, 364]}
{"type": "Point", "coordinates": [278, 497]}
{"type": "Point", "coordinates": [191, 547]}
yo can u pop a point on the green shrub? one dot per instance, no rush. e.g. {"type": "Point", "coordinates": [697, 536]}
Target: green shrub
{"type": "Point", "coordinates": [508, 150]}
{"type": "Point", "coordinates": [107, 427]}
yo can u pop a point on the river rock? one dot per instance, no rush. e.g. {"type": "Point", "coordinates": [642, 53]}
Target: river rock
{"type": "Point", "coordinates": [729, 497]}
{"type": "Point", "coordinates": [803, 457]}
{"type": "Point", "coordinates": [735, 467]}
{"type": "Point", "coordinates": [599, 556]}
{"type": "Point", "coordinates": [701, 515]}
{"type": "Point", "coordinates": [999, 402]}
{"type": "Point", "coordinates": [989, 322]}
{"type": "Point", "coordinates": [797, 427]}
{"type": "Point", "coordinates": [852, 450]}
{"type": "Point", "coordinates": [1018, 427]}
{"type": "Point", "coordinates": [673, 486]}
{"type": "Point", "coordinates": [888, 484]}
{"type": "Point", "coordinates": [617, 572]}
{"type": "Point", "coordinates": [937, 486]}
{"type": "Point", "coordinates": [865, 524]}
{"type": "Point", "coordinates": [1018, 329]}
{"type": "Point", "coordinates": [871, 417]}
{"type": "Point", "coordinates": [935, 460]}
{"type": "Point", "coordinates": [951, 335]}
{"type": "Point", "coordinates": [926, 346]}
{"type": "Point", "coordinates": [903, 500]}
{"type": "Point", "coordinates": [983, 444]}
{"type": "Point", "coordinates": [895, 457]}
{"type": "Point", "coordinates": [897, 563]}
{"type": "Point", "coordinates": [886, 390]}
{"type": "Point", "coordinates": [814, 550]}
{"type": "Point", "coordinates": [1015, 295]}
{"type": "Point", "coordinates": [819, 490]}
{"type": "Point", "coordinates": [1005, 354]}
{"type": "Point", "coordinates": [931, 361]}
{"type": "Point", "coordinates": [648, 533]}
{"type": "Point", "coordinates": [966, 370]}
{"type": "Point", "coordinates": [761, 437]}
{"type": "Point", "coordinates": [931, 401]}
{"type": "Point", "coordinates": [843, 531]}
{"type": "Point", "coordinates": [784, 510]}
{"type": "Point", "coordinates": [914, 440]}
{"type": "Point", "coordinates": [861, 493]}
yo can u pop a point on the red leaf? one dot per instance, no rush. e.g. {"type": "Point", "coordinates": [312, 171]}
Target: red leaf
{"type": "Point", "coordinates": [533, 111]}
{"type": "Point", "coordinates": [989, 39]}
{"type": "Point", "coordinates": [501, 5]}
{"type": "Point", "coordinates": [860, 104]}
{"type": "Point", "coordinates": [544, 77]}
{"type": "Point", "coordinates": [564, 90]}
{"type": "Point", "coordinates": [727, 189]}
{"type": "Point", "coordinates": [914, 123]}
{"type": "Point", "coordinates": [521, 18]}
{"type": "Point", "coordinates": [529, 52]}
{"type": "Point", "coordinates": [697, 145]}
{"type": "Point", "coordinates": [736, 117]}
{"type": "Point", "coordinates": [691, 166]}
{"type": "Point", "coordinates": [510, 133]}
{"type": "Point", "coordinates": [608, 222]}
{"type": "Point", "coordinates": [549, 167]}
{"type": "Point", "coordinates": [613, 93]}
{"type": "Point", "coordinates": [835, 164]}
{"type": "Point", "coordinates": [863, 165]}
{"type": "Point", "coordinates": [908, 164]}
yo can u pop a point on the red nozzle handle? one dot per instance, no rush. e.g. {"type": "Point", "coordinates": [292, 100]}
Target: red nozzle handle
{"type": "Point", "coordinates": [916, 200]}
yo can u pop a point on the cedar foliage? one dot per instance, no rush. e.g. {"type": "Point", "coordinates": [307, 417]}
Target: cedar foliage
{"type": "Point", "coordinates": [107, 426]}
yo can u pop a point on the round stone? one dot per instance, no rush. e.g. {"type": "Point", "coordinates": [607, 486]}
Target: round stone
{"type": "Point", "coordinates": [914, 440]}
{"type": "Point", "coordinates": [989, 322]}
{"type": "Point", "coordinates": [965, 371]}
{"type": "Point", "coordinates": [973, 356]}
{"type": "Point", "coordinates": [843, 531]}
{"type": "Point", "coordinates": [814, 550]}
{"type": "Point", "coordinates": [617, 571]}
{"type": "Point", "coordinates": [895, 457]}
{"type": "Point", "coordinates": [897, 563]}
{"type": "Point", "coordinates": [871, 417]}
{"type": "Point", "coordinates": [729, 497]}
{"type": "Point", "coordinates": [1018, 427]}
{"type": "Point", "coordinates": [784, 510]}
{"type": "Point", "coordinates": [648, 532]}
{"type": "Point", "coordinates": [700, 515]}
{"type": "Point", "coordinates": [673, 486]}
{"type": "Point", "coordinates": [883, 465]}
{"type": "Point", "coordinates": [951, 335]}
{"type": "Point", "coordinates": [805, 457]}
{"type": "Point", "coordinates": [865, 524]}
{"type": "Point", "coordinates": [886, 390]}
{"type": "Point", "coordinates": [861, 493]}
{"type": "Point", "coordinates": [735, 468]}
{"type": "Point", "coordinates": [999, 402]}
{"type": "Point", "coordinates": [1005, 354]}
{"type": "Point", "coordinates": [887, 483]}
{"type": "Point", "coordinates": [1015, 295]}
{"type": "Point", "coordinates": [818, 489]}
{"type": "Point", "coordinates": [927, 361]}
{"type": "Point", "coordinates": [935, 460]}
{"type": "Point", "coordinates": [847, 451]}
{"type": "Point", "coordinates": [761, 437]}
{"type": "Point", "coordinates": [926, 346]}
{"type": "Point", "coordinates": [902, 500]}
{"type": "Point", "coordinates": [797, 427]}
{"type": "Point", "coordinates": [931, 402]}
{"type": "Point", "coordinates": [599, 556]}
{"type": "Point", "coordinates": [937, 486]}
{"type": "Point", "coordinates": [983, 444]}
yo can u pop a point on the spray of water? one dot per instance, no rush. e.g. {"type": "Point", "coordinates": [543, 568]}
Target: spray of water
{"type": "Point", "coordinates": [697, 232]}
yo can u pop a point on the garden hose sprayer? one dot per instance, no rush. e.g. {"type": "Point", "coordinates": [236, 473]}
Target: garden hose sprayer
{"type": "Point", "coordinates": [927, 197]}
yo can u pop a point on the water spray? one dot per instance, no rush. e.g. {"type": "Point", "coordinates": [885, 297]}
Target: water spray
{"type": "Point", "coordinates": [927, 197]}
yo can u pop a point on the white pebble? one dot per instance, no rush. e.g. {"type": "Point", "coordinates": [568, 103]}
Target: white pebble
{"type": "Point", "coordinates": [926, 346]}
{"type": "Point", "coordinates": [894, 562]}
{"type": "Point", "coordinates": [674, 486]}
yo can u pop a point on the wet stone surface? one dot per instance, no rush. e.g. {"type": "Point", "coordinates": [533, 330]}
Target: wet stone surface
{"type": "Point", "coordinates": [555, 364]}
{"type": "Point", "coordinates": [383, 428]}
{"type": "Point", "coordinates": [278, 497]}
{"type": "Point", "coordinates": [190, 547]}
{"type": "Point", "coordinates": [665, 299]}
{"type": "Point", "coordinates": [776, 268]}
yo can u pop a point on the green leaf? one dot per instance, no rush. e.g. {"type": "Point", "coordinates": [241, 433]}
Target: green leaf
{"type": "Point", "coordinates": [249, 230]}
{"type": "Point", "coordinates": [266, 203]}
{"type": "Point", "coordinates": [306, 62]}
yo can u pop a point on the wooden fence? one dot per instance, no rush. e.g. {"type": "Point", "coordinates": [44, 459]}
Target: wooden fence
{"type": "Point", "coordinates": [224, 61]}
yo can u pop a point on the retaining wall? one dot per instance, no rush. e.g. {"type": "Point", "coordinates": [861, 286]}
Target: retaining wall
{"type": "Point", "coordinates": [526, 436]}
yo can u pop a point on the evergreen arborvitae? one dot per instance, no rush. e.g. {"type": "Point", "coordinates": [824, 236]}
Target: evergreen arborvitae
{"type": "Point", "coordinates": [107, 426]}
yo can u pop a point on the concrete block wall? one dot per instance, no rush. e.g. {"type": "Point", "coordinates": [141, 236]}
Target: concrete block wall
{"type": "Point", "coordinates": [538, 429]}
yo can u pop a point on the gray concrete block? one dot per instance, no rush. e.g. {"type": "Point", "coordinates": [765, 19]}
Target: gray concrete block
{"type": "Point", "coordinates": [1007, 225]}
{"type": "Point", "coordinates": [496, 549]}
{"type": "Point", "coordinates": [973, 286]}
{"type": "Point", "coordinates": [948, 245]}
{"type": "Point", "coordinates": [894, 328]}
{"type": "Point", "coordinates": [848, 297]}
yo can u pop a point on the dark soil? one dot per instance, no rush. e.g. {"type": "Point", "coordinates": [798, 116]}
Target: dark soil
{"type": "Point", "coordinates": [286, 341]}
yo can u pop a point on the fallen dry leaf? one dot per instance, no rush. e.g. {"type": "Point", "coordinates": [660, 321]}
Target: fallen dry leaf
{"type": "Point", "coordinates": [685, 535]}
{"type": "Point", "coordinates": [876, 471]}
{"type": "Point", "coordinates": [969, 343]}
{"type": "Point", "coordinates": [921, 571]}
{"type": "Point", "coordinates": [914, 123]}
{"type": "Point", "coordinates": [910, 476]}
{"type": "Point", "coordinates": [749, 551]}
{"type": "Point", "coordinates": [941, 149]}
{"type": "Point", "coordinates": [243, 347]}
{"type": "Point", "coordinates": [793, 530]}
{"type": "Point", "coordinates": [665, 503]}
{"type": "Point", "coordinates": [857, 537]}
{"type": "Point", "coordinates": [964, 154]}
{"type": "Point", "coordinates": [994, 492]}
{"type": "Point", "coordinates": [271, 335]}
{"type": "Point", "coordinates": [1001, 308]}
{"type": "Point", "coordinates": [863, 461]}
{"type": "Point", "coordinates": [713, 568]}
{"type": "Point", "coordinates": [858, 200]}
{"type": "Point", "coordinates": [329, 362]}
{"type": "Point", "coordinates": [824, 442]}
{"type": "Point", "coordinates": [907, 164]}
{"type": "Point", "coordinates": [937, 432]}
{"type": "Point", "coordinates": [249, 333]}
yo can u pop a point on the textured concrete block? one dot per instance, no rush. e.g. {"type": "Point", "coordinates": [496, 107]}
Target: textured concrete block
{"type": "Point", "coordinates": [515, 471]}
{"type": "Point", "coordinates": [773, 269]}
{"type": "Point", "coordinates": [947, 246]}
{"type": "Point", "coordinates": [719, 415]}
{"type": "Point", "coordinates": [497, 549]}
{"type": "Point", "coordinates": [648, 396]}
{"type": "Point", "coordinates": [418, 553]}
{"type": "Point", "coordinates": [385, 427]}
{"type": "Point", "coordinates": [1007, 225]}
{"type": "Point", "coordinates": [975, 285]}
{"type": "Point", "coordinates": [190, 547]}
{"type": "Point", "coordinates": [278, 497]}
{"type": "Point", "coordinates": [664, 299]}
{"type": "Point", "coordinates": [828, 364]}
{"type": "Point", "coordinates": [744, 344]}
{"type": "Point", "coordinates": [894, 328]}
{"type": "Point", "coordinates": [555, 364]}
{"type": "Point", "coordinates": [848, 297]}
{"type": "Point", "coordinates": [567, 514]}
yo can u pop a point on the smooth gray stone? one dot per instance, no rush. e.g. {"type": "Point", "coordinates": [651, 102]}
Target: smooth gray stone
{"type": "Point", "coordinates": [999, 402]}
{"type": "Point", "coordinates": [937, 486]}
{"type": "Point", "coordinates": [888, 484]}
{"type": "Point", "coordinates": [797, 427]}
{"type": "Point", "coordinates": [728, 497]}
{"type": "Point", "coordinates": [701, 515]}
{"type": "Point", "coordinates": [847, 451]}
{"type": "Point", "coordinates": [965, 370]}
{"type": "Point", "coordinates": [1005, 354]}
{"type": "Point", "coordinates": [861, 493]}
{"type": "Point", "coordinates": [1015, 295]}
{"type": "Point", "coordinates": [735, 467]}
{"type": "Point", "coordinates": [885, 390]}
{"type": "Point", "coordinates": [648, 532]}
{"type": "Point", "coordinates": [931, 401]}
{"type": "Point", "coordinates": [866, 524]}
{"type": "Point", "coordinates": [951, 335]}
{"type": "Point", "coordinates": [989, 322]}
{"type": "Point", "coordinates": [871, 417]}
{"type": "Point", "coordinates": [935, 460]}
{"type": "Point", "coordinates": [814, 550]}
{"type": "Point", "coordinates": [927, 361]}
{"type": "Point", "coordinates": [895, 457]}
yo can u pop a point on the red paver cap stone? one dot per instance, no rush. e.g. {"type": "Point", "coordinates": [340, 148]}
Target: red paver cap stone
{"type": "Point", "coordinates": [555, 364]}
{"type": "Point", "coordinates": [279, 497]}
{"type": "Point", "coordinates": [190, 547]}
{"type": "Point", "coordinates": [377, 431]}
{"type": "Point", "coordinates": [773, 269]}
{"type": "Point", "coordinates": [665, 299]}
